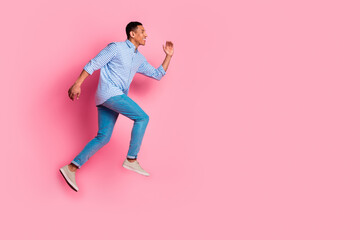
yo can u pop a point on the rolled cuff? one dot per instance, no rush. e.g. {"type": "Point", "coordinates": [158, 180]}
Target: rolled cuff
{"type": "Point", "coordinates": [76, 164]}
{"type": "Point", "coordinates": [88, 69]}
{"type": "Point", "coordinates": [161, 69]}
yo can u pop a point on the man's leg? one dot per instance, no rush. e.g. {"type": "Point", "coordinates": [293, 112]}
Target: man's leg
{"type": "Point", "coordinates": [127, 107]}
{"type": "Point", "coordinates": [106, 122]}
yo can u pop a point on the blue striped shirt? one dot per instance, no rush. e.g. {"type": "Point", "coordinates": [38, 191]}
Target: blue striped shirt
{"type": "Point", "coordinates": [119, 61]}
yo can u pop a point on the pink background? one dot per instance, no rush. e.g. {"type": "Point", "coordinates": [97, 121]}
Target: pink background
{"type": "Point", "coordinates": [253, 134]}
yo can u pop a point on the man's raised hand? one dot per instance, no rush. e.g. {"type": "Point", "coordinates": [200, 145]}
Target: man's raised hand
{"type": "Point", "coordinates": [169, 48]}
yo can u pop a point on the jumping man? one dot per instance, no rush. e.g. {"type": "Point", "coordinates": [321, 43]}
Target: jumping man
{"type": "Point", "coordinates": [118, 61]}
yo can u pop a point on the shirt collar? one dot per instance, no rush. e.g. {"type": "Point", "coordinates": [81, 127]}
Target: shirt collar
{"type": "Point", "coordinates": [131, 45]}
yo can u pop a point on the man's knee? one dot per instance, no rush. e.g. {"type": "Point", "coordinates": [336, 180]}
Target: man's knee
{"type": "Point", "coordinates": [144, 117]}
{"type": "Point", "coordinates": [103, 138]}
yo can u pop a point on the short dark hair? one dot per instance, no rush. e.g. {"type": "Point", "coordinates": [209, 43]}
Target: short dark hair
{"type": "Point", "coordinates": [132, 26]}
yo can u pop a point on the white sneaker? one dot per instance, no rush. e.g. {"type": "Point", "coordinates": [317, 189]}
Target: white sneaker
{"type": "Point", "coordinates": [135, 166]}
{"type": "Point", "coordinates": [69, 177]}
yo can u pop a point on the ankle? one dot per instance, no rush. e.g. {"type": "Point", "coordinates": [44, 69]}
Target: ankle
{"type": "Point", "coordinates": [72, 167]}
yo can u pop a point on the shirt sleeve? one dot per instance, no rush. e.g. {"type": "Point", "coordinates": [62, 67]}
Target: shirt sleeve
{"type": "Point", "coordinates": [148, 70]}
{"type": "Point", "coordinates": [103, 57]}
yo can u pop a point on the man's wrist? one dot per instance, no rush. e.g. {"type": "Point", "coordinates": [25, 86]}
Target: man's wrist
{"type": "Point", "coordinates": [78, 83]}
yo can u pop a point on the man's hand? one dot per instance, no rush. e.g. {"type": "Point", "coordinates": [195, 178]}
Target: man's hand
{"type": "Point", "coordinates": [74, 91]}
{"type": "Point", "coordinates": [169, 48]}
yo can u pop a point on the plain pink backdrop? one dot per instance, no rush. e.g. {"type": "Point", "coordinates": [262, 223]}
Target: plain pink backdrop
{"type": "Point", "coordinates": [253, 134]}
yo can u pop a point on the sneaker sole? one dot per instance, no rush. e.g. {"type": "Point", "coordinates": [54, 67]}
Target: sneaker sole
{"type": "Point", "coordinates": [135, 170]}
{"type": "Point", "coordinates": [68, 180]}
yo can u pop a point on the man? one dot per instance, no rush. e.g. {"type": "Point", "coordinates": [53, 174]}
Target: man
{"type": "Point", "coordinates": [118, 61]}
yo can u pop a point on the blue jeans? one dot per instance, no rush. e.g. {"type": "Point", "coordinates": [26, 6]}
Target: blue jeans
{"type": "Point", "coordinates": [107, 115]}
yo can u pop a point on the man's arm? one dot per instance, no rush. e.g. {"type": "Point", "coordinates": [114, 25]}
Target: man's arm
{"type": "Point", "coordinates": [166, 62]}
{"type": "Point", "coordinates": [157, 73]}
{"type": "Point", "coordinates": [103, 57]}
{"type": "Point", "coordinates": [148, 70]}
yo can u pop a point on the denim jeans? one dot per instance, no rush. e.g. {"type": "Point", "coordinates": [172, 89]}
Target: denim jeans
{"type": "Point", "coordinates": [107, 115]}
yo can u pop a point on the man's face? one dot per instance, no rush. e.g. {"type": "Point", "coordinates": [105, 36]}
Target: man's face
{"type": "Point", "coordinates": [140, 35]}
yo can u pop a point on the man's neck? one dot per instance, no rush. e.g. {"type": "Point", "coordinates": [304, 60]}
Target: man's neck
{"type": "Point", "coordinates": [135, 44]}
